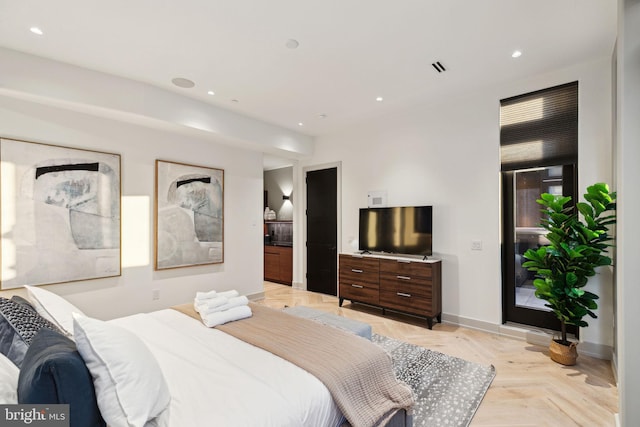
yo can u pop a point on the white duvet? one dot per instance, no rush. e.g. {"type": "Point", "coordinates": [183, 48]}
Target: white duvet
{"type": "Point", "coordinates": [218, 380]}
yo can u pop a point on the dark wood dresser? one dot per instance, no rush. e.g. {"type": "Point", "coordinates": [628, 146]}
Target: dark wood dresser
{"type": "Point", "coordinates": [406, 285]}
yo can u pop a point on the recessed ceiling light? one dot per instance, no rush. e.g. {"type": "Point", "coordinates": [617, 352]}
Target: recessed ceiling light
{"type": "Point", "coordinates": [292, 44]}
{"type": "Point", "coordinates": [36, 30]}
{"type": "Point", "coordinates": [323, 116]}
{"type": "Point", "coordinates": [211, 92]}
{"type": "Point", "coordinates": [234, 100]}
{"type": "Point", "coordinates": [300, 124]}
{"type": "Point", "coordinates": [182, 82]}
{"type": "Point", "coordinates": [379, 99]}
{"type": "Point", "coordinates": [516, 54]}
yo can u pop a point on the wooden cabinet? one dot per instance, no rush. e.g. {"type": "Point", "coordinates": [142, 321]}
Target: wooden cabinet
{"type": "Point", "coordinates": [278, 264]}
{"type": "Point", "coordinates": [401, 284]}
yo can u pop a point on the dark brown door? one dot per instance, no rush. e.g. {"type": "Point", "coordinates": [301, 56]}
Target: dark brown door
{"type": "Point", "coordinates": [322, 231]}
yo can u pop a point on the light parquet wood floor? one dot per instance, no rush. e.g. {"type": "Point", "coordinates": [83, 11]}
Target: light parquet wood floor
{"type": "Point", "coordinates": [529, 389]}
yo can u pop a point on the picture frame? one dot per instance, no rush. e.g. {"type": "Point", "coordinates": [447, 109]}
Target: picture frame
{"type": "Point", "coordinates": [189, 215]}
{"type": "Point", "coordinates": [60, 214]}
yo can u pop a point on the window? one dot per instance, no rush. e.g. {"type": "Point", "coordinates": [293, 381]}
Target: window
{"type": "Point", "coordinates": [539, 154]}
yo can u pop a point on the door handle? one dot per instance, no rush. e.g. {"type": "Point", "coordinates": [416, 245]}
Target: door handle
{"type": "Point", "coordinates": [403, 277]}
{"type": "Point", "coordinates": [402, 294]}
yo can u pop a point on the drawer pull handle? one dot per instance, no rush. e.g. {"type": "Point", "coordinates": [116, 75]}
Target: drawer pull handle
{"type": "Point", "coordinates": [403, 277]}
{"type": "Point", "coordinates": [404, 261]}
{"type": "Point", "coordinates": [357, 286]}
{"type": "Point", "coordinates": [402, 294]}
{"type": "Point", "coordinates": [355, 270]}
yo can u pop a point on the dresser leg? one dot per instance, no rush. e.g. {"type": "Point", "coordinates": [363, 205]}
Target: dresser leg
{"type": "Point", "coordinates": [341, 301]}
{"type": "Point", "coordinates": [430, 322]}
{"type": "Point", "coordinates": [439, 317]}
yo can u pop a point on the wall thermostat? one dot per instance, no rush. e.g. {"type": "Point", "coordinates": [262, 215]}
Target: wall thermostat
{"type": "Point", "coordinates": [377, 199]}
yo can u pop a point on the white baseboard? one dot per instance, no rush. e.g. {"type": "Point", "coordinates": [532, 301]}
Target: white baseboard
{"type": "Point", "coordinates": [531, 335]}
{"type": "Point", "coordinates": [470, 323]}
{"type": "Point", "coordinates": [298, 285]}
{"type": "Point", "coordinates": [256, 297]}
{"type": "Point", "coordinates": [616, 417]}
{"type": "Point", "coordinates": [599, 351]}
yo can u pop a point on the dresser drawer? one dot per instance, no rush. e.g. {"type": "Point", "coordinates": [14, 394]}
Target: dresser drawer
{"type": "Point", "coordinates": [405, 268]}
{"type": "Point", "coordinates": [413, 285]}
{"type": "Point", "coordinates": [360, 292]}
{"type": "Point", "coordinates": [358, 263]}
{"type": "Point", "coordinates": [404, 301]}
{"type": "Point", "coordinates": [359, 270]}
{"type": "Point", "coordinates": [369, 280]}
{"type": "Point", "coordinates": [360, 277]}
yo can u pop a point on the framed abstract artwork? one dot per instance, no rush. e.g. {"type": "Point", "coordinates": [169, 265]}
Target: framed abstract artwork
{"type": "Point", "coordinates": [60, 214]}
{"type": "Point", "coordinates": [189, 215]}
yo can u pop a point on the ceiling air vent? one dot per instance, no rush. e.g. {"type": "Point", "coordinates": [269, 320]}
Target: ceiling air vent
{"type": "Point", "coordinates": [439, 67]}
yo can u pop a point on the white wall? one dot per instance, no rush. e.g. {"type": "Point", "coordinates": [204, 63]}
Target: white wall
{"type": "Point", "coordinates": [139, 147]}
{"type": "Point", "coordinates": [448, 156]}
{"type": "Point", "coordinates": [628, 176]}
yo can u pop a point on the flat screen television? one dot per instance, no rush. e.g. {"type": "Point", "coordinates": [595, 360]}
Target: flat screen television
{"type": "Point", "coordinates": [401, 230]}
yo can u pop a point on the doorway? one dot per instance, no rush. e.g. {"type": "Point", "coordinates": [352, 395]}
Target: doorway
{"type": "Point", "coordinates": [522, 231]}
{"type": "Point", "coordinates": [322, 230]}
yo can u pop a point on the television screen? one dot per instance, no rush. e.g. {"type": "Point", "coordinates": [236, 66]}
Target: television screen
{"type": "Point", "coordinates": [401, 230]}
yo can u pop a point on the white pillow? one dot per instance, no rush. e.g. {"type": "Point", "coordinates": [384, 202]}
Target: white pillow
{"type": "Point", "coordinates": [9, 373]}
{"type": "Point", "coordinates": [53, 307]}
{"type": "Point", "coordinates": [130, 387]}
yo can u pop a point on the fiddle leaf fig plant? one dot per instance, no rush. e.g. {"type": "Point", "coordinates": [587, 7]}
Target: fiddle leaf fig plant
{"type": "Point", "coordinates": [576, 248]}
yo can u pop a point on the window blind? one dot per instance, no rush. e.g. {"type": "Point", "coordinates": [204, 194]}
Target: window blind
{"type": "Point", "coordinates": [540, 128]}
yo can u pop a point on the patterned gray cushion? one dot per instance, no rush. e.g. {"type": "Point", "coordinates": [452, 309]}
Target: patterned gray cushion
{"type": "Point", "coordinates": [18, 325]}
{"type": "Point", "coordinates": [22, 302]}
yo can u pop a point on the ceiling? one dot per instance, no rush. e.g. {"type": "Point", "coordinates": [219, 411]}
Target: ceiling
{"type": "Point", "coordinates": [349, 51]}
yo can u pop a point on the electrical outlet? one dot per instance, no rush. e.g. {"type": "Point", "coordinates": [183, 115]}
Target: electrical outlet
{"type": "Point", "coordinates": [476, 245]}
{"type": "Point", "coordinates": [155, 294]}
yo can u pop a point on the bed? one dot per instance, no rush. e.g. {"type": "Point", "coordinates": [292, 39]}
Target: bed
{"type": "Point", "coordinates": [191, 375]}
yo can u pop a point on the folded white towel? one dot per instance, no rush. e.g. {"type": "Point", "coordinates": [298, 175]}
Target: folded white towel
{"type": "Point", "coordinates": [202, 296]}
{"type": "Point", "coordinates": [222, 317]}
{"type": "Point", "coordinates": [208, 304]}
{"type": "Point", "coordinates": [232, 302]}
{"type": "Point", "coordinates": [229, 294]}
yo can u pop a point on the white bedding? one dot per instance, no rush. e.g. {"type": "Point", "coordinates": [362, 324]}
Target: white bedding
{"type": "Point", "coordinates": [218, 380]}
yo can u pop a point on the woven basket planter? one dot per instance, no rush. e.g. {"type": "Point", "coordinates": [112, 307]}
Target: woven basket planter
{"type": "Point", "coordinates": [563, 354]}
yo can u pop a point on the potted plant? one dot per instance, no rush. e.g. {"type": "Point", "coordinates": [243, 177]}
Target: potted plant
{"type": "Point", "coordinates": [563, 267]}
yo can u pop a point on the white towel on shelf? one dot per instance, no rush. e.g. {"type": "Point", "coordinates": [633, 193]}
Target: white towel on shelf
{"type": "Point", "coordinates": [222, 317]}
{"type": "Point", "coordinates": [203, 296]}
{"type": "Point", "coordinates": [229, 294]}
{"type": "Point", "coordinates": [208, 304]}
{"type": "Point", "coordinates": [232, 302]}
